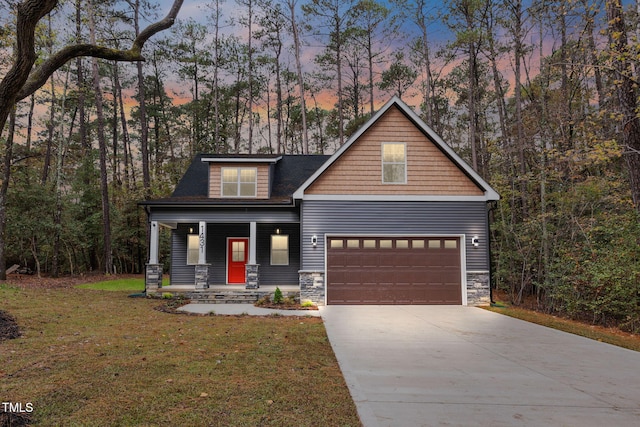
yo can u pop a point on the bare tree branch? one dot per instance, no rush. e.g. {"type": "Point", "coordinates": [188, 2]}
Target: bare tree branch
{"type": "Point", "coordinates": [40, 74]}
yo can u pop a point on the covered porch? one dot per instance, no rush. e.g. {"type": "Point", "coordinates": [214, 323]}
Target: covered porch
{"type": "Point", "coordinates": [225, 250]}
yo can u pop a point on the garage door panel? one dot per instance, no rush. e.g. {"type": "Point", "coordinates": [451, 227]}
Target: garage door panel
{"type": "Point", "coordinates": [396, 270]}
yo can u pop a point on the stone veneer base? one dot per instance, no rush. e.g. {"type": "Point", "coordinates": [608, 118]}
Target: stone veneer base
{"type": "Point", "coordinates": [153, 277]}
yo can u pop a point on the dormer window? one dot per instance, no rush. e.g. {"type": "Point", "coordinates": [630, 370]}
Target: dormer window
{"type": "Point", "coordinates": [239, 182]}
{"type": "Point", "coordinates": [394, 163]}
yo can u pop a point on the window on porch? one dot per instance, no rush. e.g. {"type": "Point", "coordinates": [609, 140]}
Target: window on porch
{"type": "Point", "coordinates": [193, 246]}
{"type": "Point", "coordinates": [279, 249]}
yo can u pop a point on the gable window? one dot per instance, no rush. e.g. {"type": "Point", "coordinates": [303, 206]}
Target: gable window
{"type": "Point", "coordinates": [279, 249]}
{"type": "Point", "coordinates": [193, 247]}
{"type": "Point", "coordinates": [239, 182]}
{"type": "Point", "coordinates": [394, 163]}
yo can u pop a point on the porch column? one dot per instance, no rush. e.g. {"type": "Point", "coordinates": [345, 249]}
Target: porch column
{"type": "Point", "coordinates": [202, 268]}
{"type": "Point", "coordinates": [153, 273]}
{"type": "Point", "coordinates": [153, 243]}
{"type": "Point", "coordinates": [252, 242]}
{"type": "Point", "coordinates": [252, 278]}
{"type": "Point", "coordinates": [202, 239]}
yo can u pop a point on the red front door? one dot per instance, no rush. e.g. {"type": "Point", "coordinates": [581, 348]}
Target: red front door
{"type": "Point", "coordinates": [237, 252]}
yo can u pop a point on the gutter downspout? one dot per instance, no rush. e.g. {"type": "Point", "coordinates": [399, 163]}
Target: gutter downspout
{"type": "Point", "coordinates": [492, 205]}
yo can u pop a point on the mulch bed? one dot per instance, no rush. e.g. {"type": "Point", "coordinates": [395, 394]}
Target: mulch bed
{"type": "Point", "coordinates": [8, 327]}
{"type": "Point", "coordinates": [11, 419]}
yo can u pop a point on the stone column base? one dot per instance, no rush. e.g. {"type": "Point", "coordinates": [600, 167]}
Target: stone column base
{"type": "Point", "coordinates": [478, 293]}
{"type": "Point", "coordinates": [202, 276]}
{"type": "Point", "coordinates": [312, 286]}
{"type": "Point", "coordinates": [252, 276]}
{"type": "Point", "coordinates": [153, 277]}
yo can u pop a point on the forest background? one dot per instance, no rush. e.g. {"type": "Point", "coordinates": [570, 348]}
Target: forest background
{"type": "Point", "coordinates": [540, 97]}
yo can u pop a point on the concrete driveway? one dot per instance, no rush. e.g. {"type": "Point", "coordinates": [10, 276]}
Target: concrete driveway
{"type": "Point", "coordinates": [464, 366]}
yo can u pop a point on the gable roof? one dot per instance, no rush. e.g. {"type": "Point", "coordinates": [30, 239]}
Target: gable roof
{"type": "Point", "coordinates": [489, 193]}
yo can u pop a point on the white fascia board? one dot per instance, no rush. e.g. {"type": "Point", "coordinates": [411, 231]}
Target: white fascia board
{"type": "Point", "coordinates": [240, 160]}
{"type": "Point", "coordinates": [394, 198]}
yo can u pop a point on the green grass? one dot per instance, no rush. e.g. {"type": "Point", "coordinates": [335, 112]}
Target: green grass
{"type": "Point", "coordinates": [100, 359]}
{"type": "Point", "coordinates": [116, 285]}
{"type": "Point", "coordinates": [130, 285]}
{"type": "Point", "coordinates": [608, 335]}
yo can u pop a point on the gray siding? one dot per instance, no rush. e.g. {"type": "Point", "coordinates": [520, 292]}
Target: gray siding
{"type": "Point", "coordinates": [228, 215]}
{"type": "Point", "coordinates": [217, 234]}
{"type": "Point", "coordinates": [378, 218]}
{"type": "Point", "coordinates": [278, 274]}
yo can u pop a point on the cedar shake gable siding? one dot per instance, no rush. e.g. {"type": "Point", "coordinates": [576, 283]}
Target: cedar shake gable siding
{"type": "Point", "coordinates": [429, 171]}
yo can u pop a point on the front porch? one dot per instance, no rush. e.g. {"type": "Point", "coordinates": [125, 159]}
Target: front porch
{"type": "Point", "coordinates": [226, 294]}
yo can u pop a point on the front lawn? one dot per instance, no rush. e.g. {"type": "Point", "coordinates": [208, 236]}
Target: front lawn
{"type": "Point", "coordinates": [126, 284]}
{"type": "Point", "coordinates": [94, 358]}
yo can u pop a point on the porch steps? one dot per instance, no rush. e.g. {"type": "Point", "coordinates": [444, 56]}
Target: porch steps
{"type": "Point", "coordinates": [215, 296]}
{"type": "Point", "coordinates": [225, 297]}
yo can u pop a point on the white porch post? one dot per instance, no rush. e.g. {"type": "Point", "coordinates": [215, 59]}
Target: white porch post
{"type": "Point", "coordinates": [202, 268]}
{"type": "Point", "coordinates": [202, 239]}
{"type": "Point", "coordinates": [252, 278]}
{"type": "Point", "coordinates": [153, 243]}
{"type": "Point", "coordinates": [252, 242]}
{"type": "Point", "coordinates": [153, 274]}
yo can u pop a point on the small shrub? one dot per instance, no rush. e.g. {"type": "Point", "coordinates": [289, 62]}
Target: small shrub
{"type": "Point", "coordinates": [277, 296]}
{"type": "Point", "coordinates": [263, 301]}
{"type": "Point", "coordinates": [167, 295]}
{"type": "Point", "coordinates": [308, 303]}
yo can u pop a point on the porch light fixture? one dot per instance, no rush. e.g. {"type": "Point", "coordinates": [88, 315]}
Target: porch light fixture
{"type": "Point", "coordinates": [190, 230]}
{"type": "Point", "coordinates": [314, 240]}
{"type": "Point", "coordinates": [277, 231]}
{"type": "Point", "coordinates": [475, 241]}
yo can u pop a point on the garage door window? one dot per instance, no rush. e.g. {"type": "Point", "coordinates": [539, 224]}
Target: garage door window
{"type": "Point", "coordinates": [386, 244]}
{"type": "Point", "coordinates": [353, 244]}
{"type": "Point", "coordinates": [418, 244]}
{"type": "Point", "coordinates": [451, 244]}
{"type": "Point", "coordinates": [434, 244]}
{"type": "Point", "coordinates": [369, 244]}
{"type": "Point", "coordinates": [402, 244]}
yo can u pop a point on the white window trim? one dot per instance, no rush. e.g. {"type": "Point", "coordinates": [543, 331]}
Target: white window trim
{"type": "Point", "coordinates": [255, 189]}
{"type": "Point", "coordinates": [382, 163]}
{"type": "Point", "coordinates": [288, 249]}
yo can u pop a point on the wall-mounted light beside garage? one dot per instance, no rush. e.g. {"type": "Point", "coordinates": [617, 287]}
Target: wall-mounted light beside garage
{"type": "Point", "coordinates": [475, 241]}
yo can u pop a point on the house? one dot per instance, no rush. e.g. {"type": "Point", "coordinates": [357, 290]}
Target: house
{"type": "Point", "coordinates": [395, 216]}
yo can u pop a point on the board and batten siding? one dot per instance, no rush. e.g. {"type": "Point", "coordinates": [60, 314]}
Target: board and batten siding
{"type": "Point", "coordinates": [394, 218]}
{"type": "Point", "coordinates": [359, 169]}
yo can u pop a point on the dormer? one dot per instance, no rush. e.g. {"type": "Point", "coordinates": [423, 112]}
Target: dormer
{"type": "Point", "coordinates": [240, 176]}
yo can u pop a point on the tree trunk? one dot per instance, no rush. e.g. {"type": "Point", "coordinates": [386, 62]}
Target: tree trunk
{"type": "Point", "coordinates": [299, 75]}
{"type": "Point", "coordinates": [102, 146]}
{"type": "Point", "coordinates": [6, 176]}
{"type": "Point", "coordinates": [627, 97]}
{"type": "Point", "coordinates": [144, 130]}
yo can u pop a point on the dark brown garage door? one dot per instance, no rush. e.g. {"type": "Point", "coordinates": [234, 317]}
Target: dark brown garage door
{"type": "Point", "coordinates": [393, 270]}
